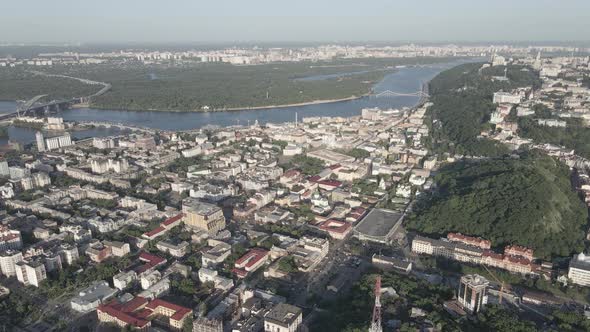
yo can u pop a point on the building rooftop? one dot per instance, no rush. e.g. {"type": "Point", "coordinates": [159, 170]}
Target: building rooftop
{"type": "Point", "coordinates": [199, 207]}
{"type": "Point", "coordinates": [378, 223]}
{"type": "Point", "coordinates": [283, 314]}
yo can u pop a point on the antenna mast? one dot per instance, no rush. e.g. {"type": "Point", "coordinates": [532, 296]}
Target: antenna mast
{"type": "Point", "coordinates": [376, 321]}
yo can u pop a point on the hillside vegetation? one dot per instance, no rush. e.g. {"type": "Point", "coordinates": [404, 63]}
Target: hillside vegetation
{"type": "Point", "coordinates": [462, 104]}
{"type": "Point", "coordinates": [527, 201]}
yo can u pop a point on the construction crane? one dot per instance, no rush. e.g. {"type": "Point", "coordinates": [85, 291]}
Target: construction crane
{"type": "Point", "coordinates": [502, 284]}
{"type": "Point", "coordinates": [376, 320]}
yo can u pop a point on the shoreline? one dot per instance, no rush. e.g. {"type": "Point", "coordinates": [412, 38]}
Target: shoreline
{"type": "Point", "coordinates": [235, 109]}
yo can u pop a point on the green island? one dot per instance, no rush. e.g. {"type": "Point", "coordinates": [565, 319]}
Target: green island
{"type": "Point", "coordinates": [462, 105]}
{"type": "Point", "coordinates": [216, 86]}
{"type": "Point", "coordinates": [527, 201]}
{"type": "Point", "coordinates": [18, 84]}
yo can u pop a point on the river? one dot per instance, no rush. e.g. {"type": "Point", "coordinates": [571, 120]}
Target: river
{"type": "Point", "coordinates": [404, 80]}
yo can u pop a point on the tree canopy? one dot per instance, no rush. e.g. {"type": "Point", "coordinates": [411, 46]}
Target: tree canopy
{"type": "Point", "coordinates": [527, 201]}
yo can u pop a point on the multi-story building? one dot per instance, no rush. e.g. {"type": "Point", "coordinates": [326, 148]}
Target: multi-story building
{"type": "Point", "coordinates": [40, 141]}
{"type": "Point", "coordinates": [58, 142]}
{"type": "Point", "coordinates": [176, 314]}
{"type": "Point", "coordinates": [31, 272]}
{"type": "Point", "coordinates": [69, 253]}
{"type": "Point", "coordinates": [118, 249]}
{"type": "Point", "coordinates": [506, 98]}
{"type": "Point", "coordinates": [97, 252]}
{"type": "Point", "coordinates": [579, 270]}
{"type": "Point", "coordinates": [174, 248]}
{"type": "Point", "coordinates": [283, 318]}
{"type": "Point", "coordinates": [250, 262]}
{"type": "Point", "coordinates": [4, 171]}
{"type": "Point", "coordinates": [215, 255]}
{"type": "Point", "coordinates": [469, 240]}
{"type": "Point", "coordinates": [471, 254]}
{"type": "Point", "coordinates": [8, 261]}
{"type": "Point", "coordinates": [203, 324]}
{"type": "Point", "coordinates": [472, 292]}
{"type": "Point", "coordinates": [220, 282]}
{"type": "Point", "coordinates": [9, 239]}
{"type": "Point", "coordinates": [138, 312]}
{"type": "Point", "coordinates": [123, 280]}
{"type": "Point", "coordinates": [202, 216]}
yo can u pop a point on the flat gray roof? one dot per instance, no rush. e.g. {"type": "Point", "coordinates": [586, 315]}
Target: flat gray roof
{"type": "Point", "coordinates": [378, 222]}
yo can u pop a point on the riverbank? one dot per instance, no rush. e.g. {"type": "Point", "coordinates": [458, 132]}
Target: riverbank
{"type": "Point", "coordinates": [233, 109]}
{"type": "Point", "coordinates": [404, 80]}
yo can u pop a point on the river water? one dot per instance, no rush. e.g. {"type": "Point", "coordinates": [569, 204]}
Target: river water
{"type": "Point", "coordinates": [404, 80]}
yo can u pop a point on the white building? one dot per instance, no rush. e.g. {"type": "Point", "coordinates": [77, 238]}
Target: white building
{"type": "Point", "coordinates": [124, 279]}
{"type": "Point", "coordinates": [30, 272]}
{"type": "Point", "coordinates": [8, 261]}
{"type": "Point", "coordinates": [506, 98]}
{"type": "Point", "coordinates": [579, 270]}
{"type": "Point", "coordinates": [220, 282]}
{"type": "Point", "coordinates": [283, 318]}
{"type": "Point", "coordinates": [91, 297]}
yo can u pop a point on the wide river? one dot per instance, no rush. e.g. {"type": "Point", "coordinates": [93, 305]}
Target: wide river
{"type": "Point", "coordinates": [404, 80]}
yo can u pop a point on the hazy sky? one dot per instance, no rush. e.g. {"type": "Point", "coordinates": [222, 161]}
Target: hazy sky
{"type": "Point", "coordinates": [293, 20]}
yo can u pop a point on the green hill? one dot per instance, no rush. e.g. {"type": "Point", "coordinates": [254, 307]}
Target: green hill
{"type": "Point", "coordinates": [527, 201]}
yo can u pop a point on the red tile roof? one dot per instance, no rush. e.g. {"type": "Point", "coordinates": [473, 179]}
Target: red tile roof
{"type": "Point", "coordinates": [251, 257]}
{"type": "Point", "coordinates": [147, 257]}
{"type": "Point", "coordinates": [172, 220]}
{"type": "Point", "coordinates": [155, 231]}
{"type": "Point", "coordinates": [123, 316]}
{"type": "Point", "coordinates": [179, 311]}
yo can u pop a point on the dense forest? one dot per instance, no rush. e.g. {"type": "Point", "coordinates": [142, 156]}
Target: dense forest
{"type": "Point", "coordinates": [18, 84]}
{"type": "Point", "coordinates": [462, 104]}
{"type": "Point", "coordinates": [527, 201]}
{"type": "Point", "coordinates": [575, 136]}
{"type": "Point", "coordinates": [217, 85]}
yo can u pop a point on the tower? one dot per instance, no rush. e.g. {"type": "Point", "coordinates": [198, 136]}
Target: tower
{"type": "Point", "coordinates": [472, 292]}
{"type": "Point", "coordinates": [40, 141]}
{"type": "Point", "coordinates": [376, 321]}
{"type": "Point", "coordinates": [295, 119]}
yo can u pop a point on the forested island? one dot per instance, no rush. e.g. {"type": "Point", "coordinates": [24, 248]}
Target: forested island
{"type": "Point", "coordinates": [208, 86]}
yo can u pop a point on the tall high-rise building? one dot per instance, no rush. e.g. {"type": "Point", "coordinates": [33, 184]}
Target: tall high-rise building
{"type": "Point", "coordinates": [40, 141]}
{"type": "Point", "coordinates": [472, 292]}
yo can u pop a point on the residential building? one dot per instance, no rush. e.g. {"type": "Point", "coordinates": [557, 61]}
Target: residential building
{"type": "Point", "coordinates": [579, 270]}
{"type": "Point", "coordinates": [472, 294]}
{"type": "Point", "coordinates": [250, 262]}
{"type": "Point", "coordinates": [283, 318]}
{"type": "Point", "coordinates": [8, 261]}
{"type": "Point", "coordinates": [31, 272]}
{"type": "Point", "coordinates": [202, 216]}
{"type": "Point", "coordinates": [216, 255]}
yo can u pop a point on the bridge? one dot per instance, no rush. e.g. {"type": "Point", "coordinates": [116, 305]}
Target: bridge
{"type": "Point", "coordinates": [390, 94]}
{"type": "Point", "coordinates": [33, 107]}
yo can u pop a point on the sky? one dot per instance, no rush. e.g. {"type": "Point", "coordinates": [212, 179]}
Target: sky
{"type": "Point", "coordinates": [88, 21]}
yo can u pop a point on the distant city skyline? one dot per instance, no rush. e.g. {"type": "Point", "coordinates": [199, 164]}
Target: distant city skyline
{"type": "Point", "coordinates": [314, 21]}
